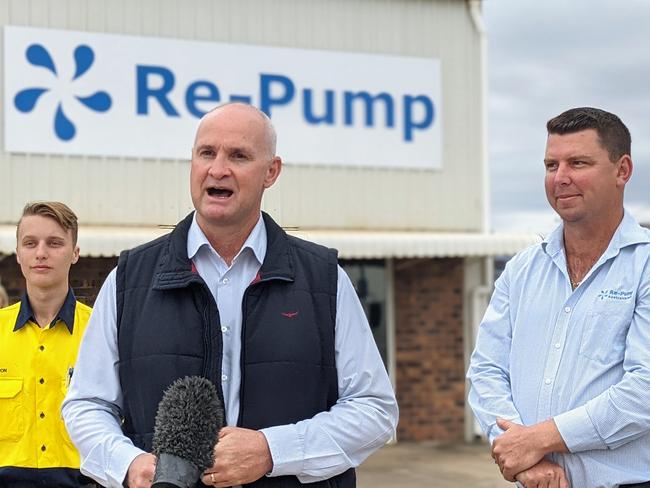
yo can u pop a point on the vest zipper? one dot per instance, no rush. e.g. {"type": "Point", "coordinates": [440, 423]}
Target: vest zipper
{"type": "Point", "coordinates": [208, 364]}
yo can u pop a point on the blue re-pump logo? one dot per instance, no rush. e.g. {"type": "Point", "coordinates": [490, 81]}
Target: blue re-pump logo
{"type": "Point", "coordinates": [25, 100]}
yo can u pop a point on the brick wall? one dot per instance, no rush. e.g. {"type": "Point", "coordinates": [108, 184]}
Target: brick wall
{"type": "Point", "coordinates": [429, 349]}
{"type": "Point", "coordinates": [86, 277]}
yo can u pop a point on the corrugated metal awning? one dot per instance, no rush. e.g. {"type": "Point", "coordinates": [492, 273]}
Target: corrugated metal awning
{"type": "Point", "coordinates": [382, 244]}
{"type": "Point", "coordinates": [98, 241]}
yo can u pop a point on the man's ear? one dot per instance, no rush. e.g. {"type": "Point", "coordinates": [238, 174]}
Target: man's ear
{"type": "Point", "coordinates": [273, 171]}
{"type": "Point", "coordinates": [75, 255]}
{"type": "Point", "coordinates": [624, 169]}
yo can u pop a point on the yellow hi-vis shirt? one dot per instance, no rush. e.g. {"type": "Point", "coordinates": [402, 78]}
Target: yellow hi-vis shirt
{"type": "Point", "coordinates": [35, 370]}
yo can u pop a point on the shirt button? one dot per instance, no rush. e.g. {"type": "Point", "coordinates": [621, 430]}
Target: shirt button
{"type": "Point", "coordinates": [567, 309]}
{"type": "Point", "coordinates": [41, 381]}
{"type": "Point", "coordinates": [43, 448]}
{"type": "Point", "coordinates": [225, 281]}
{"type": "Point", "coordinates": [42, 348]}
{"type": "Point", "coordinates": [224, 329]}
{"type": "Point", "coordinates": [547, 381]}
{"type": "Point", "coordinates": [557, 345]}
{"type": "Point", "coordinates": [42, 415]}
{"type": "Point", "coordinates": [224, 377]}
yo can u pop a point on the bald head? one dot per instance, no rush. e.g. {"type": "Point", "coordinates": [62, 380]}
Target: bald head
{"type": "Point", "coordinates": [257, 116]}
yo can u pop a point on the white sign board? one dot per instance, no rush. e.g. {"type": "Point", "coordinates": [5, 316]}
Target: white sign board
{"type": "Point", "coordinates": [83, 93]}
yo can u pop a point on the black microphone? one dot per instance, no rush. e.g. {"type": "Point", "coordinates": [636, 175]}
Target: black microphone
{"type": "Point", "coordinates": [188, 421]}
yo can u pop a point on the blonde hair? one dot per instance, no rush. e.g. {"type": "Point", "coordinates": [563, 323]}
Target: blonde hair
{"type": "Point", "coordinates": [58, 211]}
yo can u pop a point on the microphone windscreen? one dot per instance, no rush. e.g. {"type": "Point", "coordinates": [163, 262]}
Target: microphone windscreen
{"type": "Point", "coordinates": [187, 425]}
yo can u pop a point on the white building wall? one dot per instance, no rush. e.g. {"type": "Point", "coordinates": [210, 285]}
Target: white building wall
{"type": "Point", "coordinates": [114, 191]}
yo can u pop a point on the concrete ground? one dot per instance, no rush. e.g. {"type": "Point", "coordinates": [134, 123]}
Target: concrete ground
{"type": "Point", "coordinates": [431, 465]}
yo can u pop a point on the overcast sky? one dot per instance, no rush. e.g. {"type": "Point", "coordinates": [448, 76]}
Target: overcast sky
{"type": "Point", "coordinates": [545, 56]}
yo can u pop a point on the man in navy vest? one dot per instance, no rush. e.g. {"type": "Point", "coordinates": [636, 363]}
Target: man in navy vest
{"type": "Point", "coordinates": [272, 320]}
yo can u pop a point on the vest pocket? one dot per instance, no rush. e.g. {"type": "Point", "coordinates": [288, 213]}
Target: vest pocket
{"type": "Point", "coordinates": [11, 409]}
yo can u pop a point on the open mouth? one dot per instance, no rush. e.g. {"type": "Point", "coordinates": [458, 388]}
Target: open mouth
{"type": "Point", "coordinates": [219, 192]}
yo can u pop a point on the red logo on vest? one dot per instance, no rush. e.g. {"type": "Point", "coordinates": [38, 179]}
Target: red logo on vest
{"type": "Point", "coordinates": [290, 315]}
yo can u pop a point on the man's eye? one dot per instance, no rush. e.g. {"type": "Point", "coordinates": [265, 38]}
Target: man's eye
{"type": "Point", "coordinates": [551, 166]}
{"type": "Point", "coordinates": [206, 153]}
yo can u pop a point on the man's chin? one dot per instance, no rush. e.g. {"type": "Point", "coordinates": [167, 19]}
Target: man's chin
{"type": "Point", "coordinates": [216, 217]}
{"type": "Point", "coordinates": [43, 282]}
{"type": "Point", "coordinates": [570, 216]}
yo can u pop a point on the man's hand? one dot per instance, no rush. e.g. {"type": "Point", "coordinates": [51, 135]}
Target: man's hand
{"type": "Point", "coordinates": [141, 471]}
{"type": "Point", "coordinates": [545, 474]}
{"type": "Point", "coordinates": [520, 447]}
{"type": "Point", "coordinates": [241, 456]}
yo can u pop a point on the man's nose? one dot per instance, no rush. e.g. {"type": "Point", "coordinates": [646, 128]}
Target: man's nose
{"type": "Point", "coordinates": [41, 251]}
{"type": "Point", "coordinates": [219, 168]}
{"type": "Point", "coordinates": [563, 174]}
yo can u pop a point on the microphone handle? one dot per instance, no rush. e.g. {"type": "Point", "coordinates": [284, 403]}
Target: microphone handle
{"type": "Point", "coordinates": [174, 472]}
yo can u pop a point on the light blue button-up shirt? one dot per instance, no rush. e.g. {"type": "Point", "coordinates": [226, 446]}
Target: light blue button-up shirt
{"type": "Point", "coordinates": [363, 419]}
{"type": "Point", "coordinates": [581, 357]}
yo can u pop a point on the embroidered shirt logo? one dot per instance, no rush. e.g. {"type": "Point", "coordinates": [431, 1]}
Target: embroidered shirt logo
{"type": "Point", "coordinates": [615, 295]}
{"type": "Point", "coordinates": [25, 100]}
{"type": "Point", "coordinates": [290, 315]}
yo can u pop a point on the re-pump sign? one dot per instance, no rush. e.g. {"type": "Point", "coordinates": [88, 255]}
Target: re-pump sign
{"type": "Point", "coordinates": [83, 93]}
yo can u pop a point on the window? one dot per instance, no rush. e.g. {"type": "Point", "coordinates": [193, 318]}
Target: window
{"type": "Point", "coordinates": [370, 280]}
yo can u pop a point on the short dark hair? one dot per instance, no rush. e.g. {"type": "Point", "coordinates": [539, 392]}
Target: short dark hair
{"type": "Point", "coordinates": [57, 211]}
{"type": "Point", "coordinates": [614, 136]}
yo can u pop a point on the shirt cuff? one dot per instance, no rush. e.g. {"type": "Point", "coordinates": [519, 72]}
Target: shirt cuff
{"type": "Point", "coordinates": [578, 431]}
{"type": "Point", "coordinates": [113, 474]}
{"type": "Point", "coordinates": [119, 463]}
{"type": "Point", "coordinates": [494, 432]}
{"type": "Point", "coordinates": [287, 449]}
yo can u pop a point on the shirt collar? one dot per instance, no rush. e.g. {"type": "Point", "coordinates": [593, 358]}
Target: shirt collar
{"type": "Point", "coordinates": [554, 242]}
{"type": "Point", "coordinates": [628, 233]}
{"type": "Point", "coordinates": [256, 240]}
{"type": "Point", "coordinates": [66, 313]}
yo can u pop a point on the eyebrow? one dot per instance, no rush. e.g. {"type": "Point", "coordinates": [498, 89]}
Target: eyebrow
{"type": "Point", "coordinates": [247, 150]}
{"type": "Point", "coordinates": [570, 158]}
{"type": "Point", "coordinates": [581, 156]}
{"type": "Point", "coordinates": [203, 146]}
{"type": "Point", "coordinates": [49, 237]}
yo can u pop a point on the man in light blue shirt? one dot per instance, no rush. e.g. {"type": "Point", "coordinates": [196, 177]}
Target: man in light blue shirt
{"type": "Point", "coordinates": [560, 376]}
{"type": "Point", "coordinates": [228, 293]}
